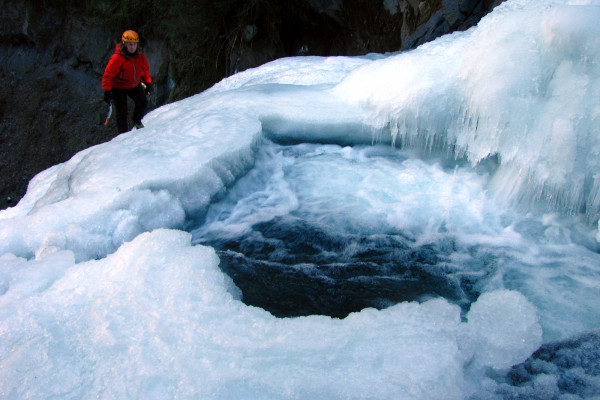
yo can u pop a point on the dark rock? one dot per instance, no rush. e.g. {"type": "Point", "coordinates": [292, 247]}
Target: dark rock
{"type": "Point", "coordinates": [468, 7]}
{"type": "Point", "coordinates": [436, 26]}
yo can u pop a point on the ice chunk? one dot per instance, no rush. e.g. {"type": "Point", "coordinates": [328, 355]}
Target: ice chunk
{"type": "Point", "coordinates": [504, 328]}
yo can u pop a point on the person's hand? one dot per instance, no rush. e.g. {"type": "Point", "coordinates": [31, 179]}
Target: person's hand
{"type": "Point", "coordinates": [147, 89]}
{"type": "Point", "coordinates": [108, 97]}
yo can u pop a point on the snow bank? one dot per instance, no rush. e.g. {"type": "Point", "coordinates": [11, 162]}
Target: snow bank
{"type": "Point", "coordinates": [158, 319]}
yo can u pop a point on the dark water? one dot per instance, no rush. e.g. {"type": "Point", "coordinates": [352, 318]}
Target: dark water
{"type": "Point", "coordinates": [291, 268]}
{"type": "Point", "coordinates": [569, 368]}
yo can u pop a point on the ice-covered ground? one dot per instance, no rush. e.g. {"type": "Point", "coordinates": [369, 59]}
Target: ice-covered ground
{"type": "Point", "coordinates": [481, 147]}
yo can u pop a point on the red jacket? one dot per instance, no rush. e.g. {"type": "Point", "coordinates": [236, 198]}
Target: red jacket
{"type": "Point", "coordinates": [124, 71]}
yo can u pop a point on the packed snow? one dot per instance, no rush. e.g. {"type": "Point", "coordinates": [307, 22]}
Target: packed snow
{"type": "Point", "coordinates": [488, 140]}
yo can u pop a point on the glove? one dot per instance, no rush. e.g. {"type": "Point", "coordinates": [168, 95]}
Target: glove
{"type": "Point", "coordinates": [147, 88]}
{"type": "Point", "coordinates": [108, 97]}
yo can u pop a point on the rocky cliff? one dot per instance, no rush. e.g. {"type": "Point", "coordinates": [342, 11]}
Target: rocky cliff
{"type": "Point", "coordinates": [52, 55]}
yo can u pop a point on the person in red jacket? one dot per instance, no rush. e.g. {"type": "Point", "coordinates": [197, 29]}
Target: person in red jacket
{"type": "Point", "coordinates": [127, 74]}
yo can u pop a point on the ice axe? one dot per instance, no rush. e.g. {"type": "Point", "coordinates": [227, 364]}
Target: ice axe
{"type": "Point", "coordinates": [106, 121]}
{"type": "Point", "coordinates": [144, 87]}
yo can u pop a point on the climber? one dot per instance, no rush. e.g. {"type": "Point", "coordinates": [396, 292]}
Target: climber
{"type": "Point", "coordinates": [127, 74]}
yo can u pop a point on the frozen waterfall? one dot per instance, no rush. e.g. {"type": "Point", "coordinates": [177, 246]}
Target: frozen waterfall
{"type": "Point", "coordinates": [419, 225]}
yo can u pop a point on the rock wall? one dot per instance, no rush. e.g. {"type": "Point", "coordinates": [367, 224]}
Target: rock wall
{"type": "Point", "coordinates": [52, 58]}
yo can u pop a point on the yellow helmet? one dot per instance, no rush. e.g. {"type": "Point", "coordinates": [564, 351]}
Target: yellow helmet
{"type": "Point", "coordinates": [130, 36]}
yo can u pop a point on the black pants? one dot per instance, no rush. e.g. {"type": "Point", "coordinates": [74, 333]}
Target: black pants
{"type": "Point", "coordinates": [120, 102]}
